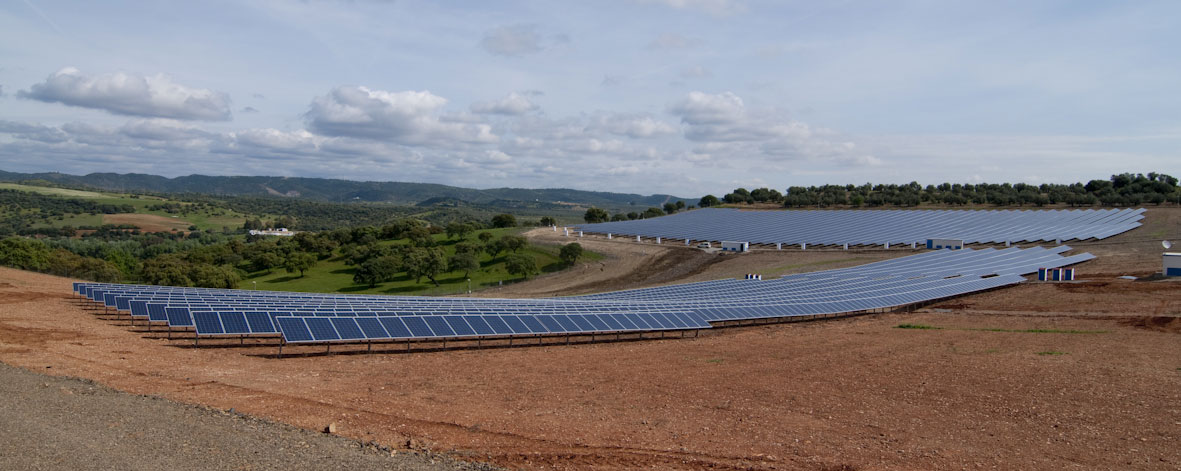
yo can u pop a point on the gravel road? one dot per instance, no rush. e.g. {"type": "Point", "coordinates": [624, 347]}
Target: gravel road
{"type": "Point", "coordinates": [65, 423]}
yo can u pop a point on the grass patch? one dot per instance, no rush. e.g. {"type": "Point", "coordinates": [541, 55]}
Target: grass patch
{"type": "Point", "coordinates": [716, 361]}
{"type": "Point", "coordinates": [332, 275]}
{"type": "Point", "coordinates": [1051, 353]}
{"type": "Point", "coordinates": [917, 327]}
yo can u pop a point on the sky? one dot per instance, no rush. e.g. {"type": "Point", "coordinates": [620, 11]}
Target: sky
{"type": "Point", "coordinates": [685, 97]}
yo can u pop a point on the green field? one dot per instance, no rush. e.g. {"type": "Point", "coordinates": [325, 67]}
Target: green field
{"type": "Point", "coordinates": [205, 220]}
{"type": "Point", "coordinates": [334, 276]}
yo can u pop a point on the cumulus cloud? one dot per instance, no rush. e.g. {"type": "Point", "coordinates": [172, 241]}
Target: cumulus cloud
{"type": "Point", "coordinates": [722, 124]}
{"type": "Point", "coordinates": [633, 126]}
{"type": "Point", "coordinates": [132, 95]}
{"type": "Point", "coordinates": [516, 40]}
{"type": "Point", "coordinates": [407, 117]}
{"type": "Point", "coordinates": [700, 108]}
{"type": "Point", "coordinates": [512, 104]}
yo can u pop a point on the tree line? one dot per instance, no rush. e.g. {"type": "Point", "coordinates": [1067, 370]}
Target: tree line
{"type": "Point", "coordinates": [215, 260]}
{"type": "Point", "coordinates": [1124, 189]}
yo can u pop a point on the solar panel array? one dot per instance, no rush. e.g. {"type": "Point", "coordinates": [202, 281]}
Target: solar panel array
{"type": "Point", "coordinates": [324, 318]}
{"type": "Point", "coordinates": [877, 227]}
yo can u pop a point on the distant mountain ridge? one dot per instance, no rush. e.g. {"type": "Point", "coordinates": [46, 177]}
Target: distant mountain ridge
{"type": "Point", "coordinates": [335, 190]}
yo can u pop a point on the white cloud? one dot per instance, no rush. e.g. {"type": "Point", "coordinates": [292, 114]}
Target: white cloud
{"type": "Point", "coordinates": [120, 93]}
{"type": "Point", "coordinates": [408, 117]}
{"type": "Point", "coordinates": [722, 124]}
{"type": "Point", "coordinates": [700, 108]}
{"type": "Point", "coordinates": [512, 104]}
{"type": "Point", "coordinates": [633, 126]}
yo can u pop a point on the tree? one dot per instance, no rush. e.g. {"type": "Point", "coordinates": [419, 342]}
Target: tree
{"type": "Point", "coordinates": [425, 262]}
{"type": "Point", "coordinates": [495, 247]}
{"type": "Point", "coordinates": [485, 237]}
{"type": "Point", "coordinates": [467, 247]}
{"type": "Point", "coordinates": [570, 253]}
{"type": "Point", "coordinates": [513, 243]}
{"type": "Point", "coordinates": [520, 264]}
{"type": "Point", "coordinates": [504, 220]}
{"type": "Point", "coordinates": [466, 262]}
{"type": "Point", "coordinates": [212, 276]}
{"type": "Point", "coordinates": [548, 221]}
{"type": "Point", "coordinates": [596, 215]}
{"type": "Point", "coordinates": [670, 208]}
{"type": "Point", "coordinates": [299, 262]}
{"type": "Point", "coordinates": [653, 212]}
{"type": "Point", "coordinates": [458, 230]}
{"type": "Point", "coordinates": [376, 270]}
{"type": "Point", "coordinates": [420, 236]}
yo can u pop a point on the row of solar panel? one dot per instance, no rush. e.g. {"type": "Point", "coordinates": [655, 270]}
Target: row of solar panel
{"type": "Point", "coordinates": [319, 329]}
{"type": "Point", "coordinates": [877, 227]}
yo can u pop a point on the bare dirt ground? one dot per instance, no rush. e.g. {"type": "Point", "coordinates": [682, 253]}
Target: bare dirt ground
{"type": "Point", "coordinates": [68, 423]}
{"type": "Point", "coordinates": [1040, 376]}
{"type": "Point", "coordinates": [148, 222]}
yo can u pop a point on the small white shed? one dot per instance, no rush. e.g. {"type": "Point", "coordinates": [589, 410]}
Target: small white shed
{"type": "Point", "coordinates": [732, 246]}
{"type": "Point", "coordinates": [1171, 263]}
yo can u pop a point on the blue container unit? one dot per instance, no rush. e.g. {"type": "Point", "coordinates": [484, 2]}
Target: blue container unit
{"type": "Point", "coordinates": [939, 244]}
{"type": "Point", "coordinates": [1055, 274]}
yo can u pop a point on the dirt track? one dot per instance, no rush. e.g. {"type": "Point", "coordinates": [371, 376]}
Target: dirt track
{"type": "Point", "coordinates": [1034, 377]}
{"type": "Point", "coordinates": [67, 423]}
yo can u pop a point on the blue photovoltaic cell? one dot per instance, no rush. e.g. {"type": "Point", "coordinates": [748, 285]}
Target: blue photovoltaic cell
{"type": "Point", "coordinates": [347, 328]}
{"type": "Point", "coordinates": [156, 312]}
{"type": "Point", "coordinates": [396, 328]}
{"type": "Point", "coordinates": [234, 322]}
{"type": "Point", "coordinates": [294, 329]}
{"type": "Point", "coordinates": [565, 322]}
{"type": "Point", "coordinates": [207, 322]}
{"type": "Point", "coordinates": [625, 322]}
{"type": "Point", "coordinates": [259, 322]}
{"type": "Point", "coordinates": [372, 328]}
{"type": "Point", "coordinates": [417, 326]}
{"type": "Point", "coordinates": [178, 317]}
{"type": "Point", "coordinates": [518, 325]}
{"type": "Point", "coordinates": [598, 322]}
{"type": "Point", "coordinates": [439, 326]}
{"type": "Point", "coordinates": [551, 324]}
{"type": "Point", "coordinates": [498, 325]}
{"type": "Point", "coordinates": [611, 323]}
{"type": "Point", "coordinates": [459, 325]}
{"type": "Point", "coordinates": [139, 308]}
{"type": "Point", "coordinates": [652, 321]}
{"type": "Point", "coordinates": [580, 321]}
{"type": "Point", "coordinates": [635, 319]}
{"type": "Point", "coordinates": [674, 320]}
{"type": "Point", "coordinates": [478, 325]}
{"type": "Point", "coordinates": [321, 328]}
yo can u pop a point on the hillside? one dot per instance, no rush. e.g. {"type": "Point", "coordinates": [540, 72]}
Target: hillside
{"type": "Point", "coordinates": [334, 190]}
